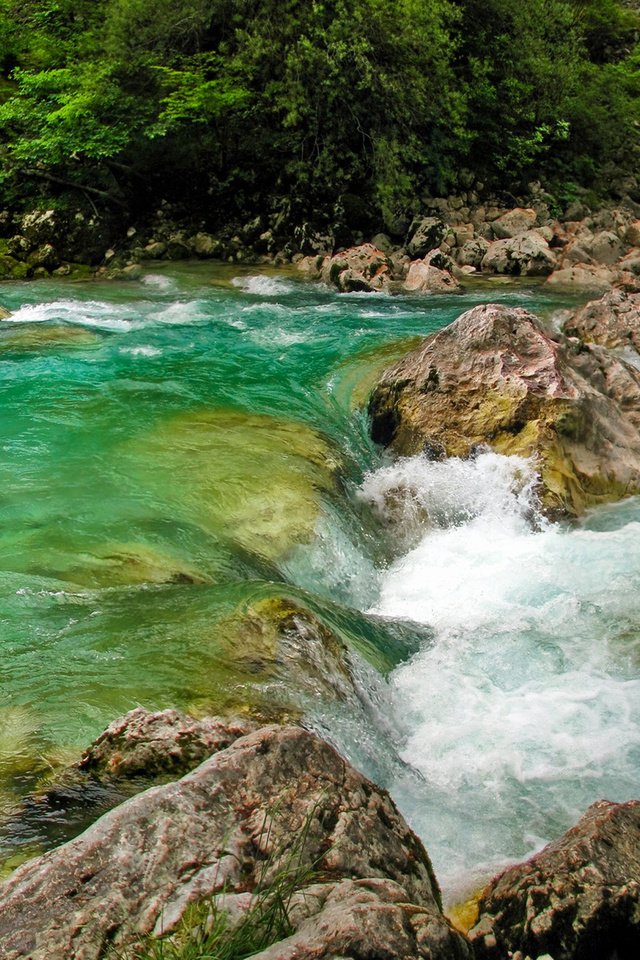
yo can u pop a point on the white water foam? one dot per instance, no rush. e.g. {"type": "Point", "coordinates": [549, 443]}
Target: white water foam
{"type": "Point", "coordinates": [526, 707]}
{"type": "Point", "coordinates": [144, 350]}
{"type": "Point", "coordinates": [263, 286]}
{"type": "Point", "coordinates": [158, 280]}
{"type": "Point", "coordinates": [91, 313]}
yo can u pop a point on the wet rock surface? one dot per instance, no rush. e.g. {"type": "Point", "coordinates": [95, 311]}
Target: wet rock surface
{"type": "Point", "coordinates": [578, 899]}
{"type": "Point", "coordinates": [135, 871]}
{"type": "Point", "coordinates": [496, 377]}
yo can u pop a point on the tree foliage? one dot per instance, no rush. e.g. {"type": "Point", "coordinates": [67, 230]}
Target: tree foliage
{"type": "Point", "coordinates": [234, 102]}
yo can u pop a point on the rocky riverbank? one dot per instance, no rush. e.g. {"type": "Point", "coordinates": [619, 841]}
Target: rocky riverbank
{"type": "Point", "coordinates": [451, 239]}
{"type": "Point", "coordinates": [271, 801]}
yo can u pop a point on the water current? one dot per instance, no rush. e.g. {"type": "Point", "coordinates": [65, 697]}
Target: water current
{"type": "Point", "coordinates": [178, 451]}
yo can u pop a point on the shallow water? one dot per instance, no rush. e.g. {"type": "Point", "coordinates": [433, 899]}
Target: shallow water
{"type": "Point", "coordinates": [173, 451]}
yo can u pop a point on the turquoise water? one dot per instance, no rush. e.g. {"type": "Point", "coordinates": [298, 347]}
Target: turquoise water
{"type": "Point", "coordinates": [174, 452]}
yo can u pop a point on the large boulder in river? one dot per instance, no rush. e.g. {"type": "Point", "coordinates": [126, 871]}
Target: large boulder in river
{"type": "Point", "coordinates": [613, 321]}
{"type": "Point", "coordinates": [496, 377]}
{"type": "Point", "coordinates": [578, 899]}
{"type": "Point", "coordinates": [276, 799]}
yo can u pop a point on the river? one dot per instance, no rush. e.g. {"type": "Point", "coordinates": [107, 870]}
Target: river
{"type": "Point", "coordinates": [177, 449]}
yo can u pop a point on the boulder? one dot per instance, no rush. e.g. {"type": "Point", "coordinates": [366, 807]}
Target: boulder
{"type": "Point", "coordinates": [149, 745]}
{"type": "Point", "coordinates": [4, 313]}
{"type": "Point", "coordinates": [425, 276]}
{"type": "Point", "coordinates": [604, 247]}
{"type": "Point", "coordinates": [278, 799]}
{"type": "Point", "coordinates": [154, 250]}
{"type": "Point", "coordinates": [583, 277]}
{"type": "Point", "coordinates": [425, 234]}
{"type": "Point", "coordinates": [632, 234]}
{"type": "Point", "coordinates": [578, 899]}
{"type": "Point", "coordinates": [361, 919]}
{"type": "Point", "coordinates": [473, 252]}
{"type": "Point", "coordinates": [44, 256]}
{"type": "Point", "coordinates": [527, 254]}
{"type": "Point", "coordinates": [496, 377]}
{"type": "Point", "coordinates": [514, 223]}
{"type": "Point", "coordinates": [613, 321]}
{"type": "Point", "coordinates": [362, 268]}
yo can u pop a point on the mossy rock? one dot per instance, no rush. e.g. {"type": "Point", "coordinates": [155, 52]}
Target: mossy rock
{"type": "Point", "coordinates": [250, 479]}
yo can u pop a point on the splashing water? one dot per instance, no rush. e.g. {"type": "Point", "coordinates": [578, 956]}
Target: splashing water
{"type": "Point", "coordinates": [526, 706]}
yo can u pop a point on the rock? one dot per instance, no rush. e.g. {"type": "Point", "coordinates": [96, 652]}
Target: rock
{"type": "Point", "coordinates": [463, 234]}
{"type": "Point", "coordinates": [312, 240]}
{"type": "Point", "coordinates": [12, 269]}
{"type": "Point", "coordinates": [382, 242]}
{"type": "Point", "coordinates": [177, 247]}
{"type": "Point", "coordinates": [223, 829]}
{"type": "Point", "coordinates": [4, 313]}
{"type": "Point", "coordinates": [632, 234]}
{"type": "Point", "coordinates": [186, 459]}
{"type": "Point", "coordinates": [40, 226]}
{"type": "Point", "coordinates": [585, 277]}
{"type": "Point", "coordinates": [146, 744]}
{"type": "Point", "coordinates": [575, 252]}
{"type": "Point", "coordinates": [18, 247]}
{"type": "Point", "coordinates": [425, 277]}
{"type": "Point", "coordinates": [361, 919]}
{"type": "Point", "coordinates": [514, 223]}
{"type": "Point", "coordinates": [473, 252]}
{"type": "Point", "coordinates": [613, 321]}
{"type": "Point", "coordinates": [44, 256]}
{"type": "Point", "coordinates": [154, 250]}
{"type": "Point", "coordinates": [362, 268]}
{"type": "Point", "coordinates": [425, 234]}
{"type": "Point", "coordinates": [525, 255]}
{"type": "Point", "coordinates": [38, 336]}
{"type": "Point", "coordinates": [578, 899]}
{"type": "Point", "coordinates": [495, 377]}
{"type": "Point", "coordinates": [605, 247]}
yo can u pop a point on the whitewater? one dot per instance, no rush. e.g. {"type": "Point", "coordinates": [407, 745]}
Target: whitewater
{"type": "Point", "coordinates": [167, 448]}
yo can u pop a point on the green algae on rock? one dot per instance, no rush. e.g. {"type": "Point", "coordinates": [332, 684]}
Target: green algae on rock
{"type": "Point", "coordinates": [251, 479]}
{"type": "Point", "coordinates": [496, 377]}
{"type": "Point", "coordinates": [36, 336]}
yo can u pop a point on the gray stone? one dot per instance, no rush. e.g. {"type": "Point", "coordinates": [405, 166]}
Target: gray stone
{"type": "Point", "coordinates": [527, 254]}
{"type": "Point", "coordinates": [578, 899]}
{"type": "Point", "coordinates": [425, 234]}
{"type": "Point", "coordinates": [514, 223]}
{"type": "Point", "coordinates": [146, 744]}
{"type": "Point", "coordinates": [225, 827]}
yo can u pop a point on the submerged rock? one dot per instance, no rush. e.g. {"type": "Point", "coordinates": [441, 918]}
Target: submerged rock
{"type": "Point", "coordinates": [227, 828]}
{"type": "Point", "coordinates": [250, 479]}
{"type": "Point", "coordinates": [578, 899]}
{"type": "Point", "coordinates": [496, 377]}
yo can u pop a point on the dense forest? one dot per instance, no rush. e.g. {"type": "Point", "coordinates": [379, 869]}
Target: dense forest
{"type": "Point", "coordinates": [231, 107]}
